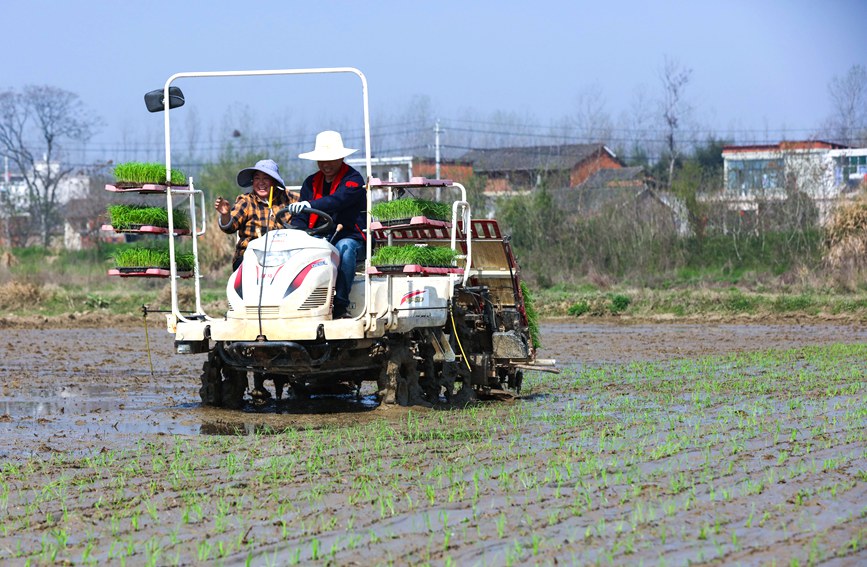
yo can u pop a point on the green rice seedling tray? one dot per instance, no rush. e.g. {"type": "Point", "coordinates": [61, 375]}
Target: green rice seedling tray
{"type": "Point", "coordinates": [146, 219]}
{"type": "Point", "coordinates": [413, 269]}
{"type": "Point", "coordinates": [136, 173]}
{"type": "Point", "coordinates": [149, 262]}
{"type": "Point", "coordinates": [395, 258]}
{"type": "Point", "coordinates": [147, 273]}
{"type": "Point", "coordinates": [403, 211]}
{"type": "Point", "coordinates": [144, 229]}
{"type": "Point", "coordinates": [143, 188]}
{"type": "Point", "coordinates": [410, 222]}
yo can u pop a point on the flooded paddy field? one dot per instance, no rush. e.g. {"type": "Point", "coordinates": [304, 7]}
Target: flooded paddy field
{"type": "Point", "coordinates": [656, 444]}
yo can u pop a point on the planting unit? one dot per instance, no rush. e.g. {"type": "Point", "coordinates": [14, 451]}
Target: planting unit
{"type": "Point", "coordinates": [423, 334]}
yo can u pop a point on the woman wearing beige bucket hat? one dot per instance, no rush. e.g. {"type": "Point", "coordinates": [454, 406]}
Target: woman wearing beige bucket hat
{"type": "Point", "coordinates": [336, 189]}
{"type": "Point", "coordinates": [252, 215]}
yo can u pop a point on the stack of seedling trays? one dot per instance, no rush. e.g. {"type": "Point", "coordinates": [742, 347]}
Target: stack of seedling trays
{"type": "Point", "coordinates": [139, 177]}
{"type": "Point", "coordinates": [412, 259]}
{"type": "Point", "coordinates": [150, 260]}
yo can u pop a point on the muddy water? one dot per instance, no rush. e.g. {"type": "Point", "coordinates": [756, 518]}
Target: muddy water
{"type": "Point", "coordinates": [478, 486]}
{"type": "Point", "coordinates": [82, 383]}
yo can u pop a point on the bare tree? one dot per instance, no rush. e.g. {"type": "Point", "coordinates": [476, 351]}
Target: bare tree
{"type": "Point", "coordinates": [847, 123]}
{"type": "Point", "coordinates": [675, 78]}
{"type": "Point", "coordinates": [411, 129]}
{"type": "Point", "coordinates": [35, 126]}
{"type": "Point", "coordinates": [590, 120]}
{"type": "Point", "coordinates": [636, 142]}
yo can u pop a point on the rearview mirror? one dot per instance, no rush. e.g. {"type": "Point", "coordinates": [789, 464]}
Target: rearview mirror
{"type": "Point", "coordinates": [156, 103]}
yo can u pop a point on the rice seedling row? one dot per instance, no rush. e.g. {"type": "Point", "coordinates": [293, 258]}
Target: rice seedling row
{"type": "Point", "coordinates": [751, 458]}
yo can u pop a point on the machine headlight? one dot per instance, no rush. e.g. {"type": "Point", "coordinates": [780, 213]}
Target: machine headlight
{"type": "Point", "coordinates": [273, 258]}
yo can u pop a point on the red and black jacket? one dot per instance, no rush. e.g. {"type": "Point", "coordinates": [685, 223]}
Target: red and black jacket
{"type": "Point", "coordinates": [345, 201]}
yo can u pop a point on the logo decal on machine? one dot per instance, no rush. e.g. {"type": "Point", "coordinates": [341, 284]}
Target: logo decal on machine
{"type": "Point", "coordinates": [413, 297]}
{"type": "Point", "coordinates": [238, 281]}
{"type": "Point", "coordinates": [299, 279]}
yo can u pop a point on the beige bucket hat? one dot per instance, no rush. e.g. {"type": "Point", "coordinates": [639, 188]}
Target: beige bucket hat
{"type": "Point", "coordinates": [329, 146]}
{"type": "Point", "coordinates": [269, 166]}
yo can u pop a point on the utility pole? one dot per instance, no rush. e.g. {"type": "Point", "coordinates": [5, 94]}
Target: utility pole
{"type": "Point", "coordinates": [6, 212]}
{"type": "Point", "coordinates": [437, 153]}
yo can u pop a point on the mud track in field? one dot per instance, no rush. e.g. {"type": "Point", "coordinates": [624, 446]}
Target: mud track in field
{"type": "Point", "coordinates": [104, 459]}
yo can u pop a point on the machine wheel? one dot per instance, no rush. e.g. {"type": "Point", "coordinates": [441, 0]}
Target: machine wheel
{"type": "Point", "coordinates": [211, 392]}
{"type": "Point", "coordinates": [429, 384]}
{"type": "Point", "coordinates": [233, 386]}
{"type": "Point", "coordinates": [222, 387]}
{"type": "Point", "coordinates": [399, 379]}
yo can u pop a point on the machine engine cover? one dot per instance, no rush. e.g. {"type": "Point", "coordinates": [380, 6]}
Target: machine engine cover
{"type": "Point", "coordinates": [285, 274]}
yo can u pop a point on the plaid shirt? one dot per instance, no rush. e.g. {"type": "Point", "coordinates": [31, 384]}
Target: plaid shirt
{"type": "Point", "coordinates": [251, 218]}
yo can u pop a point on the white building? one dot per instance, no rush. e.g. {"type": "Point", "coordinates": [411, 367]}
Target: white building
{"type": "Point", "coordinates": [13, 189]}
{"type": "Point", "coordinates": [823, 171]}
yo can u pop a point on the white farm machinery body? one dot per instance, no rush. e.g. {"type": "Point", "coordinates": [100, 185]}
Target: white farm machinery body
{"type": "Point", "coordinates": [415, 332]}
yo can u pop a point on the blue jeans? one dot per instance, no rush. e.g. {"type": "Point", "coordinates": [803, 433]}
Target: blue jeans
{"type": "Point", "coordinates": [348, 248]}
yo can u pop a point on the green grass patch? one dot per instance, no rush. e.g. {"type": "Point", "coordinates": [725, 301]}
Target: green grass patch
{"type": "Point", "coordinates": [793, 303]}
{"type": "Point", "coordinates": [408, 208]}
{"type": "Point", "coordinates": [151, 257]}
{"type": "Point", "coordinates": [619, 302]}
{"type": "Point", "coordinates": [146, 172]}
{"type": "Point", "coordinates": [578, 309]}
{"type": "Point", "coordinates": [134, 216]}
{"type": "Point", "coordinates": [737, 302]}
{"type": "Point", "coordinates": [436, 256]}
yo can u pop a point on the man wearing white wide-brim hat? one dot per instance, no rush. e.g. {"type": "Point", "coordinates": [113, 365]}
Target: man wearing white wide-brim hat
{"type": "Point", "coordinates": [338, 190]}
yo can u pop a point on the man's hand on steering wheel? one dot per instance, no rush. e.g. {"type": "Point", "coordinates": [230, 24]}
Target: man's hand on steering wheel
{"type": "Point", "coordinates": [324, 222]}
{"type": "Point", "coordinates": [296, 208]}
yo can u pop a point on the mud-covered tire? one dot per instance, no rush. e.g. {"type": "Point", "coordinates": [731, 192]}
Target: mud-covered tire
{"type": "Point", "coordinates": [398, 382]}
{"type": "Point", "coordinates": [211, 391]}
{"type": "Point", "coordinates": [233, 386]}
{"type": "Point", "coordinates": [222, 387]}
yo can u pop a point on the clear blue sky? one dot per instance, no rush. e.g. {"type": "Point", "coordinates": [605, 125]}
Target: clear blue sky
{"type": "Point", "coordinates": [756, 64]}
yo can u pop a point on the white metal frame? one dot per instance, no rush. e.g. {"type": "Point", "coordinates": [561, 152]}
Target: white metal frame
{"type": "Point", "coordinates": [167, 119]}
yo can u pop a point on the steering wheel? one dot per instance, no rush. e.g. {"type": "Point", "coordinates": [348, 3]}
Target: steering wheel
{"type": "Point", "coordinates": [324, 224]}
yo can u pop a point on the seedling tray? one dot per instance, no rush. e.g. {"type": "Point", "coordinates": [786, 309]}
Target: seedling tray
{"type": "Point", "coordinates": [144, 229]}
{"type": "Point", "coordinates": [145, 272]}
{"type": "Point", "coordinates": [413, 269]}
{"type": "Point", "coordinates": [412, 221]}
{"type": "Point", "coordinates": [143, 187]}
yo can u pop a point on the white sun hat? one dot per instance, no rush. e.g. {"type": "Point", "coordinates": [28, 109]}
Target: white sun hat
{"type": "Point", "coordinates": [329, 146]}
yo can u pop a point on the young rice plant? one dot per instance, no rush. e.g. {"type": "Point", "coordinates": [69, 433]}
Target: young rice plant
{"type": "Point", "coordinates": [151, 257]}
{"type": "Point", "coordinates": [407, 208]}
{"type": "Point", "coordinates": [439, 256]}
{"type": "Point", "coordinates": [145, 172]}
{"type": "Point", "coordinates": [532, 314]}
{"type": "Point", "coordinates": [134, 216]}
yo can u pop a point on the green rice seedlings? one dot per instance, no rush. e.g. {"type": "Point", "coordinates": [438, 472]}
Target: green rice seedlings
{"type": "Point", "coordinates": [532, 314]}
{"type": "Point", "coordinates": [152, 257]}
{"type": "Point", "coordinates": [431, 256]}
{"type": "Point", "coordinates": [125, 217]}
{"type": "Point", "coordinates": [139, 173]}
{"type": "Point", "coordinates": [405, 209]}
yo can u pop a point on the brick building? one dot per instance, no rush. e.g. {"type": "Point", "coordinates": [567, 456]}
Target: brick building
{"type": "Point", "coordinates": [524, 167]}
